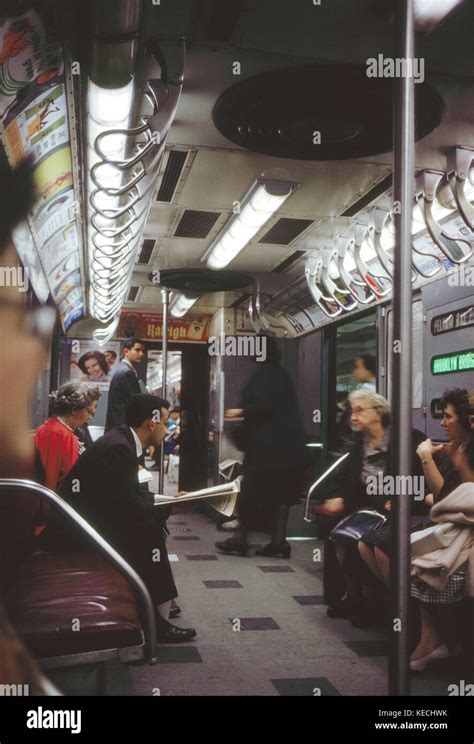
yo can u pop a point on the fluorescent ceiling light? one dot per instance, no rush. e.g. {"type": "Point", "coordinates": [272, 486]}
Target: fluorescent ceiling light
{"type": "Point", "coordinates": [180, 304]}
{"type": "Point", "coordinates": [428, 13]}
{"type": "Point", "coordinates": [258, 205]}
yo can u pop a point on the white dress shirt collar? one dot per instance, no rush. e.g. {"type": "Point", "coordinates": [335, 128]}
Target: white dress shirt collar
{"type": "Point", "coordinates": [138, 444]}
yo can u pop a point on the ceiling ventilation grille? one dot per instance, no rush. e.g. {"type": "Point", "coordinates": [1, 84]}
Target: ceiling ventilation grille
{"type": "Point", "coordinates": [380, 188]}
{"type": "Point", "coordinates": [288, 262]}
{"type": "Point", "coordinates": [195, 224]}
{"type": "Point", "coordinates": [172, 174]}
{"type": "Point", "coordinates": [146, 251]}
{"type": "Point", "coordinates": [285, 231]}
{"type": "Point", "coordinates": [132, 295]}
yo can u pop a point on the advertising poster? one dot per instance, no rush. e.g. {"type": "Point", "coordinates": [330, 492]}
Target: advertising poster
{"type": "Point", "coordinates": [148, 326]}
{"type": "Point", "coordinates": [40, 128]}
{"type": "Point", "coordinates": [29, 57]}
{"type": "Point", "coordinates": [93, 363]}
{"type": "Point", "coordinates": [34, 123]}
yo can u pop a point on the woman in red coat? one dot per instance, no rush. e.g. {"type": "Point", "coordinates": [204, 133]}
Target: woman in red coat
{"type": "Point", "coordinates": [57, 445]}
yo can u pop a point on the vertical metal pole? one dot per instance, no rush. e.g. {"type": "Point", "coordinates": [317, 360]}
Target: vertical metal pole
{"type": "Point", "coordinates": [403, 169]}
{"type": "Point", "coordinates": [164, 367]}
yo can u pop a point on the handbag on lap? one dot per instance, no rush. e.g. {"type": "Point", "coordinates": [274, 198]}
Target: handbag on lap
{"type": "Point", "coordinates": [356, 525]}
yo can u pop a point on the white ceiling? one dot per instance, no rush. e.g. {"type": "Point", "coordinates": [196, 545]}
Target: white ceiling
{"type": "Point", "coordinates": [273, 34]}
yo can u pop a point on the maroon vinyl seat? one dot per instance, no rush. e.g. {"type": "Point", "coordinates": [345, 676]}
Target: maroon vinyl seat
{"type": "Point", "coordinates": [65, 604]}
{"type": "Point", "coordinates": [73, 606]}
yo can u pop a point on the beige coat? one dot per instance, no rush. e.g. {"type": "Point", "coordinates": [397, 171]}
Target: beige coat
{"type": "Point", "coordinates": [436, 567]}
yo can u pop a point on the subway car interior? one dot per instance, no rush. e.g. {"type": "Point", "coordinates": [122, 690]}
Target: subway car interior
{"type": "Point", "coordinates": [260, 214]}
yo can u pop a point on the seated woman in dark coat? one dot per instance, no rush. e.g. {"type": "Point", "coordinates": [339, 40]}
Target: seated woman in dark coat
{"type": "Point", "coordinates": [360, 484]}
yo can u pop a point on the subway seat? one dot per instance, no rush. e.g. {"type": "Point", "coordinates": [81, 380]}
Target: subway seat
{"type": "Point", "coordinates": [66, 604]}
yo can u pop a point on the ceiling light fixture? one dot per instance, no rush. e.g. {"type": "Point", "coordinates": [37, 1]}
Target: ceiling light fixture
{"type": "Point", "coordinates": [181, 303]}
{"type": "Point", "coordinates": [255, 209]}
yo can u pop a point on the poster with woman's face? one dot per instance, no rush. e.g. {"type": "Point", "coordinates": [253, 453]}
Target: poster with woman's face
{"type": "Point", "coordinates": [93, 363]}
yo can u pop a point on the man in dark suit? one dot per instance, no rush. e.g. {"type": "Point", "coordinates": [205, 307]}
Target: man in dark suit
{"type": "Point", "coordinates": [124, 383]}
{"type": "Point", "coordinates": [103, 486]}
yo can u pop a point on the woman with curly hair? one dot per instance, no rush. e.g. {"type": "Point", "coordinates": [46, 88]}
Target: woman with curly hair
{"type": "Point", "coordinates": [57, 445]}
{"type": "Point", "coordinates": [439, 472]}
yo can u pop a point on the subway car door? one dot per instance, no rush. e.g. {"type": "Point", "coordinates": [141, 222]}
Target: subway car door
{"type": "Point", "coordinates": [187, 386]}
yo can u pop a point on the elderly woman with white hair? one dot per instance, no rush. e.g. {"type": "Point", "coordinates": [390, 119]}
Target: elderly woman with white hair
{"type": "Point", "coordinates": [357, 487]}
{"type": "Point", "coordinates": [57, 444]}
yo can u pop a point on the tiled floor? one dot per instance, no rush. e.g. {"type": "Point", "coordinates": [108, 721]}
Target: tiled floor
{"type": "Point", "coordinates": [297, 650]}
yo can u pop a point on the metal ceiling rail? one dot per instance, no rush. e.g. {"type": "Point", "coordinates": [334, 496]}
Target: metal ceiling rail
{"type": "Point", "coordinates": [116, 229]}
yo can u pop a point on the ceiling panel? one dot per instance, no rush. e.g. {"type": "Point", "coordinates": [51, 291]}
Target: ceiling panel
{"type": "Point", "coordinates": [160, 220]}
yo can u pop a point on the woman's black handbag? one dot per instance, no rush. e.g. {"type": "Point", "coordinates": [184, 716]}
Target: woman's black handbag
{"type": "Point", "coordinates": [357, 525]}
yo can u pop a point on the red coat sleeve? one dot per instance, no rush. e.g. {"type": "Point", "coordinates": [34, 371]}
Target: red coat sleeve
{"type": "Point", "coordinates": [57, 448]}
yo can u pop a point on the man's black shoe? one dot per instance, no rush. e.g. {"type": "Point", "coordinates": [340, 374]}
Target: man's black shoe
{"type": "Point", "coordinates": [346, 608]}
{"type": "Point", "coordinates": [172, 634]}
{"type": "Point", "coordinates": [231, 546]}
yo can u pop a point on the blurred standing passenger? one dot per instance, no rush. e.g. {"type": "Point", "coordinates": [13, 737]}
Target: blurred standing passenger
{"type": "Point", "coordinates": [364, 371]}
{"type": "Point", "coordinates": [25, 333]}
{"type": "Point", "coordinates": [275, 454]}
{"type": "Point", "coordinates": [125, 383]}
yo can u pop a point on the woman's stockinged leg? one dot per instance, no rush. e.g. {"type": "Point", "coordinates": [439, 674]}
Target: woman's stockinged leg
{"type": "Point", "coordinates": [429, 637]}
{"type": "Point", "coordinates": [367, 555]}
{"type": "Point", "coordinates": [383, 563]}
{"type": "Point", "coordinates": [354, 590]}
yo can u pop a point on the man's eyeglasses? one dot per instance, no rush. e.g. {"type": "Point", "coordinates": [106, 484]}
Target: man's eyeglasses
{"type": "Point", "coordinates": [38, 322]}
{"type": "Point", "coordinates": [91, 411]}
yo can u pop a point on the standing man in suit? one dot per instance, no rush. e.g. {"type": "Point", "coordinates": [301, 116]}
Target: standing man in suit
{"type": "Point", "coordinates": [103, 486]}
{"type": "Point", "coordinates": [125, 383]}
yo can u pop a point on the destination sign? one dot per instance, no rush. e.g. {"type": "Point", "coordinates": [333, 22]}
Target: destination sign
{"type": "Point", "coordinates": [459, 361]}
{"type": "Point", "coordinates": [454, 321]}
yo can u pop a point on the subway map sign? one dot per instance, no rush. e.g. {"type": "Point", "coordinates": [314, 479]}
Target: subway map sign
{"type": "Point", "coordinates": [459, 361]}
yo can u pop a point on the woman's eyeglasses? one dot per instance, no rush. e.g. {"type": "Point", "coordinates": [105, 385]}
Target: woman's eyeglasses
{"type": "Point", "coordinates": [361, 410]}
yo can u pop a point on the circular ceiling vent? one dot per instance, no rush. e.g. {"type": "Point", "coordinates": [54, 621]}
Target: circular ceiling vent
{"type": "Point", "coordinates": [318, 112]}
{"type": "Point", "coordinates": [199, 281]}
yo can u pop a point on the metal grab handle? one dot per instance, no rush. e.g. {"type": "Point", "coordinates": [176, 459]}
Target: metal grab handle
{"type": "Point", "coordinates": [321, 478]}
{"type": "Point", "coordinates": [143, 596]}
{"type": "Point", "coordinates": [341, 295]}
{"type": "Point", "coordinates": [361, 232]}
{"type": "Point", "coordinates": [379, 221]}
{"type": "Point", "coordinates": [313, 267]}
{"type": "Point", "coordinates": [458, 250]}
{"type": "Point", "coordinates": [358, 289]}
{"type": "Point", "coordinates": [459, 164]}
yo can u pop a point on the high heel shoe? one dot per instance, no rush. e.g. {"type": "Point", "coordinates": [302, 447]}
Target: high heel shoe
{"type": "Point", "coordinates": [275, 551]}
{"type": "Point", "coordinates": [442, 652]}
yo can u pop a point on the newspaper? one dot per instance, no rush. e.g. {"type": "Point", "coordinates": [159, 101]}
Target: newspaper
{"type": "Point", "coordinates": [222, 498]}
